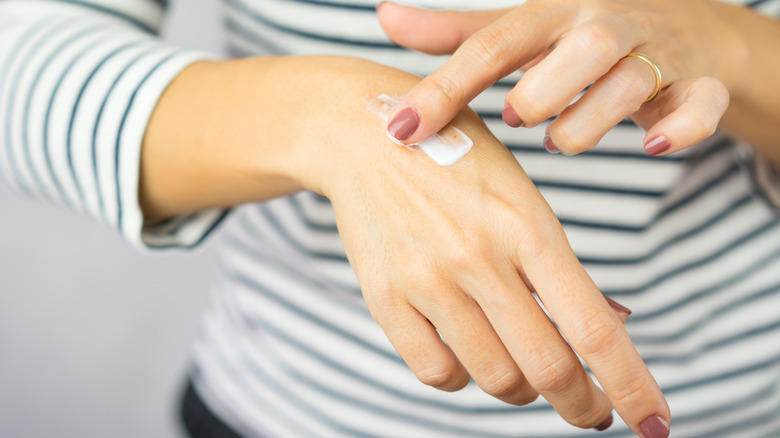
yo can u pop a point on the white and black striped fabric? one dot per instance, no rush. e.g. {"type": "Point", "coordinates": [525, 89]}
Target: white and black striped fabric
{"type": "Point", "coordinates": [690, 242]}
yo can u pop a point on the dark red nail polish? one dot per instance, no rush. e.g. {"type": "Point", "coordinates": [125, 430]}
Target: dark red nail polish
{"type": "Point", "coordinates": [511, 118]}
{"type": "Point", "coordinates": [654, 427]}
{"type": "Point", "coordinates": [404, 124]}
{"type": "Point", "coordinates": [549, 145]}
{"type": "Point", "coordinates": [617, 306]}
{"type": "Point", "coordinates": [657, 145]}
{"type": "Point", "coordinates": [605, 424]}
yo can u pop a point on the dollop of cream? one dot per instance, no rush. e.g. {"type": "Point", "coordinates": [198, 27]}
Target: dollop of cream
{"type": "Point", "coordinates": [445, 147]}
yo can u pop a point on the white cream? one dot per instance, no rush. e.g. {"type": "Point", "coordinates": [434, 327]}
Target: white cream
{"type": "Point", "coordinates": [445, 147]}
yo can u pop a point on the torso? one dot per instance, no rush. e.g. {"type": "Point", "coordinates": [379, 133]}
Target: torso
{"type": "Point", "coordinates": [289, 348]}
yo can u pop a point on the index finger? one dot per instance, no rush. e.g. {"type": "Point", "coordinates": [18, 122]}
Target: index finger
{"type": "Point", "coordinates": [487, 56]}
{"type": "Point", "coordinates": [595, 333]}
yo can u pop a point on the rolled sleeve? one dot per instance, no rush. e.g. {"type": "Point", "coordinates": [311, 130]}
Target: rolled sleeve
{"type": "Point", "coordinates": [79, 81]}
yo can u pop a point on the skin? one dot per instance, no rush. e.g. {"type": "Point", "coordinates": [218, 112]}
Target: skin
{"type": "Point", "coordinates": [455, 250]}
{"type": "Point", "coordinates": [708, 52]}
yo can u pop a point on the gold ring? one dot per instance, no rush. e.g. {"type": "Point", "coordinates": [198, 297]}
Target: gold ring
{"type": "Point", "coordinates": [656, 70]}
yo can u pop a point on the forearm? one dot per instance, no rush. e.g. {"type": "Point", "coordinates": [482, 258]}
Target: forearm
{"type": "Point", "coordinates": [214, 139]}
{"type": "Point", "coordinates": [231, 132]}
{"type": "Point", "coordinates": [753, 57]}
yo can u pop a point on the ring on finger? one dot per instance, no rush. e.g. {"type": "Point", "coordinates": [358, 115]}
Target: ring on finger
{"type": "Point", "coordinates": [656, 70]}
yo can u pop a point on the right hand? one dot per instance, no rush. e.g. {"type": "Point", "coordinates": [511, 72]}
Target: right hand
{"type": "Point", "coordinates": [453, 251]}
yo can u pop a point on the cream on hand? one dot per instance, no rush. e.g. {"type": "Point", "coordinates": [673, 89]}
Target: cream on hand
{"type": "Point", "coordinates": [445, 147]}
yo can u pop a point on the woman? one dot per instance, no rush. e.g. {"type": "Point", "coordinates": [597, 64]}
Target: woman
{"type": "Point", "coordinates": [446, 257]}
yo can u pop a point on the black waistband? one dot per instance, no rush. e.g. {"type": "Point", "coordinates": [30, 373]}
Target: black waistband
{"type": "Point", "coordinates": [198, 420]}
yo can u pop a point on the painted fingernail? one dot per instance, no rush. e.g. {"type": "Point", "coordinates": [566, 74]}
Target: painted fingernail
{"type": "Point", "coordinates": [654, 427]}
{"type": "Point", "coordinates": [511, 118]}
{"type": "Point", "coordinates": [605, 424]}
{"type": "Point", "coordinates": [617, 306]}
{"type": "Point", "coordinates": [657, 145]}
{"type": "Point", "coordinates": [549, 145]}
{"type": "Point", "coordinates": [404, 124]}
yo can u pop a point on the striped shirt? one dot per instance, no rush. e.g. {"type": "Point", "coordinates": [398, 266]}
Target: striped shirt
{"type": "Point", "coordinates": [690, 242]}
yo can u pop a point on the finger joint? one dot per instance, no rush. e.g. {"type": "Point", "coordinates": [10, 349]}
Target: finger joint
{"type": "Point", "coordinates": [600, 42]}
{"type": "Point", "coordinates": [557, 376]}
{"type": "Point", "coordinates": [502, 382]}
{"type": "Point", "coordinates": [441, 377]}
{"type": "Point", "coordinates": [597, 333]}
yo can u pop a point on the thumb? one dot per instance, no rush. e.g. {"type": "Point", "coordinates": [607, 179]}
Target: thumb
{"type": "Point", "coordinates": [430, 31]}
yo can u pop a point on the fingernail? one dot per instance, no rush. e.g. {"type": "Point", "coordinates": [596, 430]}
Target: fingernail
{"type": "Point", "coordinates": [511, 118]}
{"type": "Point", "coordinates": [605, 424]}
{"type": "Point", "coordinates": [549, 145]}
{"type": "Point", "coordinates": [617, 306]}
{"type": "Point", "coordinates": [404, 124]}
{"type": "Point", "coordinates": [654, 427]}
{"type": "Point", "coordinates": [657, 145]}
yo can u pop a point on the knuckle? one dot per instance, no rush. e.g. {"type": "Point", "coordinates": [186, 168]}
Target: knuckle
{"type": "Point", "coordinates": [629, 88]}
{"type": "Point", "coordinates": [462, 251]}
{"type": "Point", "coordinates": [588, 416]}
{"type": "Point", "coordinates": [557, 376]}
{"type": "Point", "coordinates": [425, 292]}
{"type": "Point", "coordinates": [521, 397]}
{"type": "Point", "coordinates": [409, 270]}
{"type": "Point", "coordinates": [446, 87]}
{"type": "Point", "coordinates": [524, 398]}
{"type": "Point", "coordinates": [382, 303]}
{"type": "Point", "coordinates": [599, 41]}
{"type": "Point", "coordinates": [719, 93]}
{"type": "Point", "coordinates": [631, 393]}
{"type": "Point", "coordinates": [701, 126]}
{"type": "Point", "coordinates": [537, 231]}
{"type": "Point", "coordinates": [532, 109]}
{"type": "Point", "coordinates": [413, 277]}
{"type": "Point", "coordinates": [596, 332]}
{"type": "Point", "coordinates": [714, 98]}
{"type": "Point", "coordinates": [441, 377]}
{"type": "Point", "coordinates": [502, 382]}
{"type": "Point", "coordinates": [567, 141]}
{"type": "Point", "coordinates": [635, 91]}
{"type": "Point", "coordinates": [710, 84]}
{"type": "Point", "coordinates": [490, 47]}
{"type": "Point", "coordinates": [455, 39]}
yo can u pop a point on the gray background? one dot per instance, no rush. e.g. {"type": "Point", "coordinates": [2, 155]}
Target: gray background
{"type": "Point", "coordinates": [94, 337]}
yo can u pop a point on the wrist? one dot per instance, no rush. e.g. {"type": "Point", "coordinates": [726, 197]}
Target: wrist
{"type": "Point", "coordinates": [333, 131]}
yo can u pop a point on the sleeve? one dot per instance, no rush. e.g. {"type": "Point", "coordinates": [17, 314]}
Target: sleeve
{"type": "Point", "coordinates": [79, 80]}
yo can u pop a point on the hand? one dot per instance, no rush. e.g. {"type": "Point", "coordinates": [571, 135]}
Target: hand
{"type": "Point", "coordinates": [456, 251]}
{"type": "Point", "coordinates": [563, 46]}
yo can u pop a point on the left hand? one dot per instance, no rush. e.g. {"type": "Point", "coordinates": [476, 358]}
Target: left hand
{"type": "Point", "coordinates": [563, 46]}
